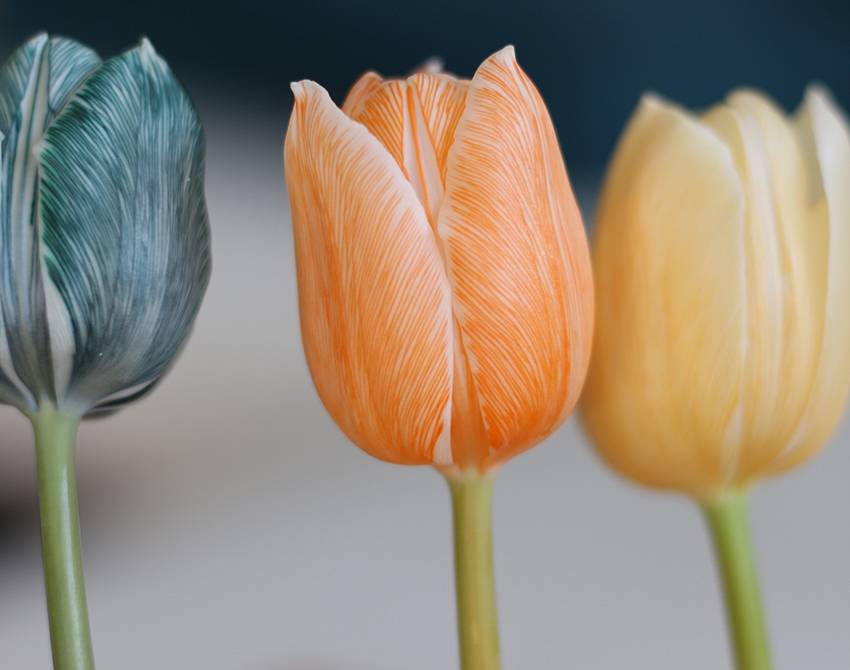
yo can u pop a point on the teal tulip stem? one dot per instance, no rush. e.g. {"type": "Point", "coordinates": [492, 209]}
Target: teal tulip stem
{"type": "Point", "coordinates": [70, 638]}
{"type": "Point", "coordinates": [727, 520]}
{"type": "Point", "coordinates": [476, 590]}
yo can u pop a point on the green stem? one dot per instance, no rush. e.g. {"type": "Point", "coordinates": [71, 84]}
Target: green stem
{"type": "Point", "coordinates": [728, 522]}
{"type": "Point", "coordinates": [476, 591]}
{"type": "Point", "coordinates": [70, 638]}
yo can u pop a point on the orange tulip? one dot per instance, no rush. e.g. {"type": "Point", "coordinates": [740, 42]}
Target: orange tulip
{"type": "Point", "coordinates": [444, 279]}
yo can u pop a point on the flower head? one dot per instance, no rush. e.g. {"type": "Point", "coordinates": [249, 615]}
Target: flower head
{"type": "Point", "coordinates": [104, 238]}
{"type": "Point", "coordinates": [722, 260]}
{"type": "Point", "coordinates": [443, 274]}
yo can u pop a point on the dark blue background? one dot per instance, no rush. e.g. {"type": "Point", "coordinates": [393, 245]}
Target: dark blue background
{"type": "Point", "coordinates": [591, 60]}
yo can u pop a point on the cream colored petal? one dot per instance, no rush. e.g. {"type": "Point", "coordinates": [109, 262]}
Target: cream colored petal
{"type": "Point", "coordinates": [786, 242]}
{"type": "Point", "coordinates": [374, 300]}
{"type": "Point", "coordinates": [825, 140]}
{"type": "Point", "coordinates": [360, 91]}
{"type": "Point", "coordinates": [517, 259]}
{"type": "Point", "coordinates": [663, 390]}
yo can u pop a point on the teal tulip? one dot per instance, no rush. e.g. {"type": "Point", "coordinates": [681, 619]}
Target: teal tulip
{"type": "Point", "coordinates": [104, 260]}
{"type": "Point", "coordinates": [104, 237]}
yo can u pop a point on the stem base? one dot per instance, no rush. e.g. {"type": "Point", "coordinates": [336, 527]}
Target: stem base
{"type": "Point", "coordinates": [70, 638]}
{"type": "Point", "coordinates": [476, 591]}
{"type": "Point", "coordinates": [727, 520]}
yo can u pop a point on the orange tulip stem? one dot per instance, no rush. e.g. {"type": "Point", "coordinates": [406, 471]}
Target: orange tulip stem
{"type": "Point", "coordinates": [67, 613]}
{"type": "Point", "coordinates": [727, 519]}
{"type": "Point", "coordinates": [476, 591]}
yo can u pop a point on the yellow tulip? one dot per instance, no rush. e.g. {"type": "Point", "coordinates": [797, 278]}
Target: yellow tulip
{"type": "Point", "coordinates": [722, 344]}
{"type": "Point", "coordinates": [722, 263]}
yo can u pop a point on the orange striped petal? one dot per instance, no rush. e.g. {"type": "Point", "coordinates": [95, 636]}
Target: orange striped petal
{"type": "Point", "coordinates": [415, 120]}
{"type": "Point", "coordinates": [360, 91]}
{"type": "Point", "coordinates": [517, 261]}
{"type": "Point", "coordinates": [383, 113]}
{"type": "Point", "coordinates": [442, 99]}
{"type": "Point", "coordinates": [374, 301]}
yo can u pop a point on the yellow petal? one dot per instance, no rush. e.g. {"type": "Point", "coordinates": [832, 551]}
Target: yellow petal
{"type": "Point", "coordinates": [785, 250]}
{"type": "Point", "coordinates": [663, 391]}
{"type": "Point", "coordinates": [374, 300]}
{"type": "Point", "coordinates": [824, 138]}
{"type": "Point", "coordinates": [517, 260]}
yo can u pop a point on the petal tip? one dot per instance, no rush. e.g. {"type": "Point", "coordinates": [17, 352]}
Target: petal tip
{"type": "Point", "coordinates": [506, 54]}
{"type": "Point", "coordinates": [146, 47]}
{"type": "Point", "coordinates": [653, 99]}
{"type": "Point", "coordinates": [819, 94]}
{"type": "Point", "coordinates": [149, 58]}
{"type": "Point", "coordinates": [752, 98]}
{"type": "Point", "coordinates": [818, 99]}
{"type": "Point", "coordinates": [818, 89]}
{"type": "Point", "coordinates": [433, 65]}
{"type": "Point", "coordinates": [743, 92]}
{"type": "Point", "coordinates": [304, 88]}
{"type": "Point", "coordinates": [653, 103]}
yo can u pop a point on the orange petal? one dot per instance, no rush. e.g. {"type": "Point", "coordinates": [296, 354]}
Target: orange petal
{"type": "Point", "coordinates": [517, 260]}
{"type": "Point", "coordinates": [360, 91]}
{"type": "Point", "coordinates": [415, 120]}
{"type": "Point", "coordinates": [443, 99]}
{"type": "Point", "coordinates": [383, 113]}
{"type": "Point", "coordinates": [374, 301]}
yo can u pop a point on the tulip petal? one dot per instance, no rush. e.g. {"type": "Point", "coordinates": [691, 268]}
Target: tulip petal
{"type": "Point", "coordinates": [415, 119]}
{"type": "Point", "coordinates": [824, 135]}
{"type": "Point", "coordinates": [383, 113]}
{"type": "Point", "coordinates": [517, 260]}
{"type": "Point", "coordinates": [785, 249]}
{"type": "Point", "coordinates": [360, 91]}
{"type": "Point", "coordinates": [442, 99]}
{"type": "Point", "coordinates": [125, 232]}
{"type": "Point", "coordinates": [35, 84]}
{"type": "Point", "coordinates": [662, 399]}
{"type": "Point", "coordinates": [374, 301]}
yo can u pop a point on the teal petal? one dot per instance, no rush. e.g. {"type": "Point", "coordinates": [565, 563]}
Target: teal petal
{"type": "Point", "coordinates": [36, 82]}
{"type": "Point", "coordinates": [125, 235]}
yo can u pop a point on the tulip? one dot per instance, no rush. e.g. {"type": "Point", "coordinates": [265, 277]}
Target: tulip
{"type": "Point", "coordinates": [444, 284]}
{"type": "Point", "coordinates": [105, 259]}
{"type": "Point", "coordinates": [722, 258]}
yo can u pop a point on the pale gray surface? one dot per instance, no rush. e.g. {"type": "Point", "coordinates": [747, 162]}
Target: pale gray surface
{"type": "Point", "coordinates": [229, 525]}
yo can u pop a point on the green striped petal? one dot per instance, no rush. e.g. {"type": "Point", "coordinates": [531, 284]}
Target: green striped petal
{"type": "Point", "coordinates": [35, 85]}
{"type": "Point", "coordinates": [125, 235]}
{"type": "Point", "coordinates": [104, 236]}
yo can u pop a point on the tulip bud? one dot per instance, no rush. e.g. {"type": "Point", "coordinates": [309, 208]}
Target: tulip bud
{"type": "Point", "coordinates": [443, 275]}
{"type": "Point", "coordinates": [104, 237]}
{"type": "Point", "coordinates": [104, 260]}
{"type": "Point", "coordinates": [722, 261]}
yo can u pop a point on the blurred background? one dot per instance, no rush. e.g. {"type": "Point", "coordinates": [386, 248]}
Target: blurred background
{"type": "Point", "coordinates": [228, 524]}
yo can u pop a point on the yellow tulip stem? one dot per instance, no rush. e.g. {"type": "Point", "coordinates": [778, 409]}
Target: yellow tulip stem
{"type": "Point", "coordinates": [476, 590]}
{"type": "Point", "coordinates": [70, 638]}
{"type": "Point", "coordinates": [727, 519]}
